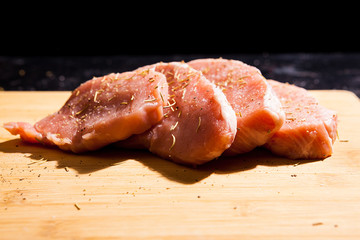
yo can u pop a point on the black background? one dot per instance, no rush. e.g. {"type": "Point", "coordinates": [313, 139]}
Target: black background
{"type": "Point", "coordinates": [152, 28]}
{"type": "Point", "coordinates": [58, 47]}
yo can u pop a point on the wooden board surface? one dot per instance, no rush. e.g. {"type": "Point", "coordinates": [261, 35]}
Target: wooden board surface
{"type": "Point", "coordinates": [110, 194]}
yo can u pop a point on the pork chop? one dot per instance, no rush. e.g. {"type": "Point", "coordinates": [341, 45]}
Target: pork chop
{"type": "Point", "coordinates": [258, 110]}
{"type": "Point", "coordinates": [309, 130]}
{"type": "Point", "coordinates": [199, 123]}
{"type": "Point", "coordinates": [101, 111]}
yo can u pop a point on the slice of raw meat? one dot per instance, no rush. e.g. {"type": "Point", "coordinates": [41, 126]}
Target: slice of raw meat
{"type": "Point", "coordinates": [257, 108]}
{"type": "Point", "coordinates": [198, 124]}
{"type": "Point", "coordinates": [101, 111]}
{"type": "Point", "coordinates": [309, 129]}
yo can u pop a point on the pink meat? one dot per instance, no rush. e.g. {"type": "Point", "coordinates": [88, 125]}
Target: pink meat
{"type": "Point", "coordinates": [309, 130]}
{"type": "Point", "coordinates": [101, 111]}
{"type": "Point", "coordinates": [199, 123]}
{"type": "Point", "coordinates": [257, 109]}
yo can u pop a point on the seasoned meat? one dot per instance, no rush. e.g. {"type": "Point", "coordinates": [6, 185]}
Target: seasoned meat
{"type": "Point", "coordinates": [101, 111]}
{"type": "Point", "coordinates": [257, 109]}
{"type": "Point", "coordinates": [199, 123]}
{"type": "Point", "coordinates": [189, 113]}
{"type": "Point", "coordinates": [309, 130]}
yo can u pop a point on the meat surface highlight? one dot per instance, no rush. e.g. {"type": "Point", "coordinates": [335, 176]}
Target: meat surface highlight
{"type": "Point", "coordinates": [309, 130]}
{"type": "Point", "coordinates": [199, 123]}
{"type": "Point", "coordinates": [101, 111]}
{"type": "Point", "coordinates": [258, 110]}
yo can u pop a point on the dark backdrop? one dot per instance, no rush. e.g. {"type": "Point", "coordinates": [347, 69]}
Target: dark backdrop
{"type": "Point", "coordinates": [316, 48]}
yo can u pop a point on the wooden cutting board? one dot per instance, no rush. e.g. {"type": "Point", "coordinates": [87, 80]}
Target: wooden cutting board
{"type": "Point", "coordinates": [110, 194]}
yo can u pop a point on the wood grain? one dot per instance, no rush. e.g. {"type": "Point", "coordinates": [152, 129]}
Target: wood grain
{"type": "Point", "coordinates": [118, 194]}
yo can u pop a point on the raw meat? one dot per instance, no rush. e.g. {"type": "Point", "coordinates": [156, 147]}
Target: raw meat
{"type": "Point", "coordinates": [309, 129]}
{"type": "Point", "coordinates": [257, 109]}
{"type": "Point", "coordinates": [199, 123]}
{"type": "Point", "coordinates": [101, 111]}
{"type": "Point", "coordinates": [189, 113]}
